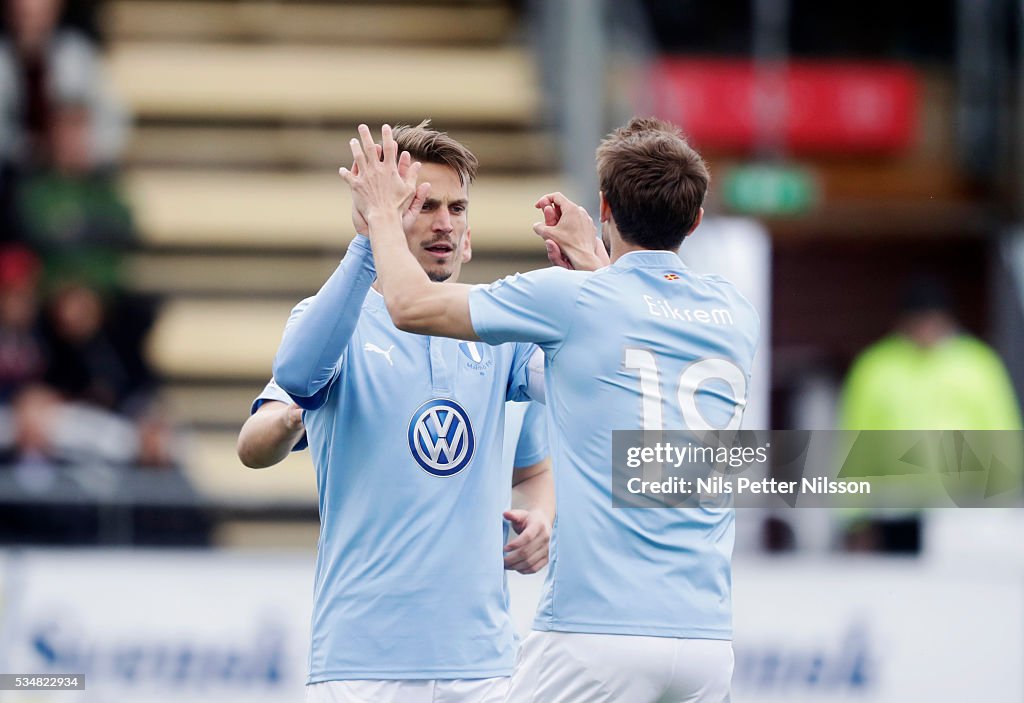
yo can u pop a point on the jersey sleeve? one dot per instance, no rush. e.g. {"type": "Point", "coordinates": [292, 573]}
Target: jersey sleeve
{"type": "Point", "coordinates": [533, 438]}
{"type": "Point", "coordinates": [272, 391]}
{"type": "Point", "coordinates": [519, 378]}
{"type": "Point", "coordinates": [527, 307]}
{"type": "Point", "coordinates": [314, 341]}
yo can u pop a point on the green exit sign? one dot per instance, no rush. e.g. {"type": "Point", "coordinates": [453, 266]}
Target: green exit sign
{"type": "Point", "coordinates": [771, 190]}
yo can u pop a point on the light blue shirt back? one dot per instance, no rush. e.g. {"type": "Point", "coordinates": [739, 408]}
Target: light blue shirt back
{"type": "Point", "coordinates": [410, 581]}
{"type": "Point", "coordinates": [642, 344]}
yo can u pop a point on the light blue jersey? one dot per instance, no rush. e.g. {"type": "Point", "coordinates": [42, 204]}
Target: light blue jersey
{"type": "Point", "coordinates": [642, 344]}
{"type": "Point", "coordinates": [526, 435]}
{"type": "Point", "coordinates": [525, 440]}
{"type": "Point", "coordinates": [405, 433]}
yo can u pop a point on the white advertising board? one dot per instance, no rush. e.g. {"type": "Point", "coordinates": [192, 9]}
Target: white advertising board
{"type": "Point", "coordinates": [161, 626]}
{"type": "Point", "coordinates": [884, 631]}
{"type": "Point", "coordinates": [155, 627]}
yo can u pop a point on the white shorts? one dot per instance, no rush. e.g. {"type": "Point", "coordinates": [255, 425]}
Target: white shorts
{"type": "Point", "coordinates": [569, 667]}
{"type": "Point", "coordinates": [410, 691]}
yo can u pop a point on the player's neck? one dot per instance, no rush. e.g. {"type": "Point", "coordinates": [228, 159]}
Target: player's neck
{"type": "Point", "coordinates": [620, 248]}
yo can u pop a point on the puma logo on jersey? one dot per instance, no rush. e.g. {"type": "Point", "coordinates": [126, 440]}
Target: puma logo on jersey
{"type": "Point", "coordinates": [371, 347]}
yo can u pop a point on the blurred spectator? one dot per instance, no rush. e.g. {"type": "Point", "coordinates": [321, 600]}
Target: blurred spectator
{"type": "Point", "coordinates": [84, 362]}
{"type": "Point", "coordinates": [42, 65]}
{"type": "Point", "coordinates": [73, 208]}
{"type": "Point", "coordinates": [22, 359]}
{"type": "Point", "coordinates": [927, 375]}
{"type": "Point", "coordinates": [74, 216]}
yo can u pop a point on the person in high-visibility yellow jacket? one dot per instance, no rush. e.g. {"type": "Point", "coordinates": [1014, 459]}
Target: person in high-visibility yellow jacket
{"type": "Point", "coordinates": [927, 375]}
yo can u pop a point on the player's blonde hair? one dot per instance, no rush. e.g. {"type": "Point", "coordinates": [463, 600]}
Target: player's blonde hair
{"type": "Point", "coordinates": [426, 144]}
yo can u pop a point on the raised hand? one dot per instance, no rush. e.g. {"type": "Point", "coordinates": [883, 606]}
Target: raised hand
{"type": "Point", "coordinates": [569, 233]}
{"type": "Point", "coordinates": [359, 222]}
{"type": "Point", "coordinates": [381, 180]}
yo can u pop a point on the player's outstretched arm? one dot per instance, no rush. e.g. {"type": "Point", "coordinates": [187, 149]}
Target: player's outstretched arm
{"type": "Point", "coordinates": [382, 188]}
{"type": "Point", "coordinates": [314, 341]}
{"type": "Point", "coordinates": [269, 434]}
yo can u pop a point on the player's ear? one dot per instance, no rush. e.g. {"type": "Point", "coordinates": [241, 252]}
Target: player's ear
{"type": "Point", "coordinates": [467, 247]}
{"type": "Point", "coordinates": [605, 209]}
{"type": "Point", "coordinates": [697, 221]}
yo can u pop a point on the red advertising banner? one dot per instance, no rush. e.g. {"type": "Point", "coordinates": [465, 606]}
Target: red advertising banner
{"type": "Point", "coordinates": [808, 106]}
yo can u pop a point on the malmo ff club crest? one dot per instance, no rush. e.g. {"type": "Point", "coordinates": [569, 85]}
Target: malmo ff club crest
{"type": "Point", "coordinates": [441, 437]}
{"type": "Point", "coordinates": [478, 355]}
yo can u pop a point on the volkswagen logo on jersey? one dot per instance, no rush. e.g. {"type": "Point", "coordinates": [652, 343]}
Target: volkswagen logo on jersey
{"type": "Point", "coordinates": [479, 355]}
{"type": "Point", "coordinates": [441, 437]}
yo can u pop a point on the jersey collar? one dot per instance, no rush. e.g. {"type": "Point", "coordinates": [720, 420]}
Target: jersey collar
{"type": "Point", "coordinates": [649, 259]}
{"type": "Point", "coordinates": [374, 301]}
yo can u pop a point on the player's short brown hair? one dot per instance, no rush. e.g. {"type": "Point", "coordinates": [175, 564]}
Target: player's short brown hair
{"type": "Point", "coordinates": [654, 182]}
{"type": "Point", "coordinates": [426, 144]}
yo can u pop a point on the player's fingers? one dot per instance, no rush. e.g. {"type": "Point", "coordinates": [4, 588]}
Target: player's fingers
{"type": "Point", "coordinates": [519, 559]}
{"type": "Point", "coordinates": [555, 198]}
{"type": "Point", "coordinates": [551, 215]}
{"type": "Point", "coordinates": [555, 255]}
{"type": "Point", "coordinates": [534, 563]}
{"type": "Point", "coordinates": [535, 566]}
{"type": "Point", "coordinates": [418, 198]}
{"type": "Point", "coordinates": [560, 201]}
{"type": "Point", "coordinates": [520, 541]}
{"type": "Point", "coordinates": [404, 162]}
{"type": "Point", "coordinates": [541, 230]}
{"type": "Point", "coordinates": [533, 558]}
{"type": "Point", "coordinates": [358, 157]}
{"type": "Point", "coordinates": [514, 559]}
{"type": "Point", "coordinates": [347, 175]}
{"type": "Point", "coordinates": [412, 173]}
{"type": "Point", "coordinates": [522, 566]}
{"type": "Point", "coordinates": [369, 147]}
{"type": "Point", "coordinates": [532, 536]}
{"type": "Point", "coordinates": [388, 141]}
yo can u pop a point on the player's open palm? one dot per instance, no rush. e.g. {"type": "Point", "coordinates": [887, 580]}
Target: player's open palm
{"type": "Point", "coordinates": [528, 552]}
{"type": "Point", "coordinates": [381, 181]}
{"type": "Point", "coordinates": [411, 213]}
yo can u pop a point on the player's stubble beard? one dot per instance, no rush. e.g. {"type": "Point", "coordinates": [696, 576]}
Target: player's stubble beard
{"type": "Point", "coordinates": [440, 275]}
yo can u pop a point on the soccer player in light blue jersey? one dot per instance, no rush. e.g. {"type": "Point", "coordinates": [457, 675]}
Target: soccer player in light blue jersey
{"type": "Point", "coordinates": [405, 432]}
{"type": "Point", "coordinates": [637, 604]}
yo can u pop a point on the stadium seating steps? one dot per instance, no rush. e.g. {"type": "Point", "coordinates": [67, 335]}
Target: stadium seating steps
{"type": "Point", "coordinates": [242, 112]}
